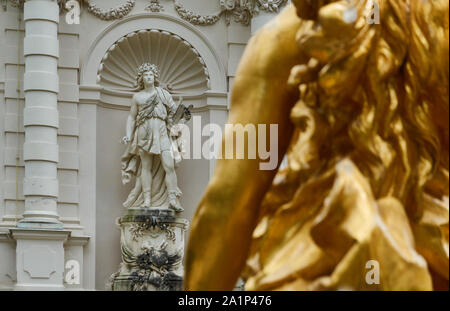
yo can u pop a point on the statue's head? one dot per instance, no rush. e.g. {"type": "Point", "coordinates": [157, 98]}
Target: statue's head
{"type": "Point", "coordinates": [376, 89]}
{"type": "Point", "coordinates": [147, 72]}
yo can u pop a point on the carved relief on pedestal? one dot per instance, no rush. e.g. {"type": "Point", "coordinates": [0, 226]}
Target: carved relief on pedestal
{"type": "Point", "coordinates": [152, 246]}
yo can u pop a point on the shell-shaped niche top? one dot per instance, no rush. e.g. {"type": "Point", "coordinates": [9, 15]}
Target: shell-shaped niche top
{"type": "Point", "coordinates": [182, 70]}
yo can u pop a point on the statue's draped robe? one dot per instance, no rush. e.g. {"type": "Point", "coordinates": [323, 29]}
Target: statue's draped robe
{"type": "Point", "coordinates": [150, 134]}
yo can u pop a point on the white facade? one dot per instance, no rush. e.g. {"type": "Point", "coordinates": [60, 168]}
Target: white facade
{"type": "Point", "coordinates": [63, 114]}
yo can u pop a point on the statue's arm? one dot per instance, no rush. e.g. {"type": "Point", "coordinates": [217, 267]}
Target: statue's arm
{"type": "Point", "coordinates": [226, 216]}
{"type": "Point", "coordinates": [171, 107]}
{"type": "Point", "coordinates": [131, 119]}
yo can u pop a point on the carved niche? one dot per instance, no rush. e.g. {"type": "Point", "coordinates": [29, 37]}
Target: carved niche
{"type": "Point", "coordinates": [182, 70]}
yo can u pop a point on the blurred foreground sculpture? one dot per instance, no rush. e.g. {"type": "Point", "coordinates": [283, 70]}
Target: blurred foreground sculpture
{"type": "Point", "coordinates": [363, 116]}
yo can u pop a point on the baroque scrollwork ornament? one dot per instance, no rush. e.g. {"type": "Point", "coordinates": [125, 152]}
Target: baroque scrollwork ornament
{"type": "Point", "coordinates": [152, 247]}
{"type": "Point", "coordinates": [139, 229]}
{"type": "Point", "coordinates": [241, 11]}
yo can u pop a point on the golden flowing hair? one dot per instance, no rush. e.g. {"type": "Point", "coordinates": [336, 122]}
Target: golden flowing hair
{"type": "Point", "coordinates": [380, 91]}
{"type": "Point", "coordinates": [359, 91]}
{"type": "Point", "coordinates": [376, 94]}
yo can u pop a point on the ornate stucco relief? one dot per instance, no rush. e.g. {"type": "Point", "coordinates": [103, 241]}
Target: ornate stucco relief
{"type": "Point", "coordinates": [152, 249]}
{"type": "Point", "coordinates": [154, 6]}
{"type": "Point", "coordinates": [241, 11]}
{"type": "Point", "coordinates": [113, 13]}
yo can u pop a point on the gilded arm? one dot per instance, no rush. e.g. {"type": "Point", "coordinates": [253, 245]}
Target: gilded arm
{"type": "Point", "coordinates": [226, 216]}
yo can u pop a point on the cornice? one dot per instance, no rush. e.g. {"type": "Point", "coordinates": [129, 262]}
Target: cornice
{"type": "Point", "coordinates": [241, 11]}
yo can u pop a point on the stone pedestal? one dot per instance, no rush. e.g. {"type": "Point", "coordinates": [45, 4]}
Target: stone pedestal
{"type": "Point", "coordinates": [40, 258]}
{"type": "Point", "coordinates": [152, 243]}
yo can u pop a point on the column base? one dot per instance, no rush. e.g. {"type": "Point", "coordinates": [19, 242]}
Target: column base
{"type": "Point", "coordinates": [40, 220]}
{"type": "Point", "coordinates": [23, 224]}
{"type": "Point", "coordinates": [40, 258]}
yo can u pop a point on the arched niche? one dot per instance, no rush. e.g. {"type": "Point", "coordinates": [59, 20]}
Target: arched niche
{"type": "Point", "coordinates": [160, 22]}
{"type": "Point", "coordinates": [103, 112]}
{"type": "Point", "coordinates": [182, 70]}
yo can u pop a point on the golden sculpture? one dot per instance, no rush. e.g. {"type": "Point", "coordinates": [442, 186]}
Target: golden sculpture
{"type": "Point", "coordinates": [363, 116]}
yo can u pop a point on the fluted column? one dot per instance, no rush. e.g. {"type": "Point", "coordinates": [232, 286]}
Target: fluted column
{"type": "Point", "coordinates": [41, 53]}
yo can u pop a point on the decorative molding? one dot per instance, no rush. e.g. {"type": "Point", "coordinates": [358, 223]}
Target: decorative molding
{"type": "Point", "coordinates": [77, 240]}
{"type": "Point", "coordinates": [182, 69]}
{"type": "Point", "coordinates": [37, 234]}
{"type": "Point", "coordinates": [154, 6]}
{"type": "Point", "coordinates": [112, 13]}
{"type": "Point", "coordinates": [39, 261]}
{"type": "Point", "coordinates": [19, 4]}
{"type": "Point", "coordinates": [5, 237]}
{"type": "Point", "coordinates": [241, 11]}
{"type": "Point", "coordinates": [120, 100]}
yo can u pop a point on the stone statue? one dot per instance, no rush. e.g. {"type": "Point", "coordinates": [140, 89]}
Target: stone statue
{"type": "Point", "coordinates": [362, 108]}
{"type": "Point", "coordinates": [153, 144]}
{"type": "Point", "coordinates": [152, 236]}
